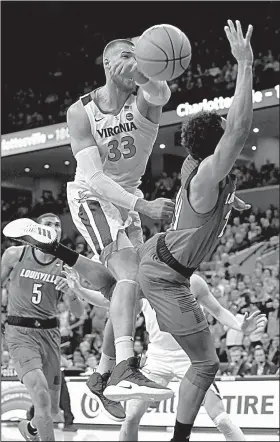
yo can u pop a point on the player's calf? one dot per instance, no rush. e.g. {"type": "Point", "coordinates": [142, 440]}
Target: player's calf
{"type": "Point", "coordinates": [214, 406]}
{"type": "Point", "coordinates": [37, 387]}
{"type": "Point", "coordinates": [135, 410]}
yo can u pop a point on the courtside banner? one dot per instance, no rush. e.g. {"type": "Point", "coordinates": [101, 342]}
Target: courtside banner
{"type": "Point", "coordinates": [251, 403]}
{"type": "Point", "coordinates": [57, 135]}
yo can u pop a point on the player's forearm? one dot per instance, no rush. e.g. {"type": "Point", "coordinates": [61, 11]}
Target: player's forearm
{"type": "Point", "coordinates": [112, 191]}
{"type": "Point", "coordinates": [155, 92]}
{"type": "Point", "coordinates": [76, 305]}
{"type": "Point", "coordinates": [227, 319]}
{"type": "Point", "coordinates": [89, 162]}
{"type": "Point", "coordinates": [93, 297]}
{"type": "Point", "coordinates": [240, 114]}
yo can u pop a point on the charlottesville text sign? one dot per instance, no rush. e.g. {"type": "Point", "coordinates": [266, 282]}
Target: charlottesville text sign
{"type": "Point", "coordinates": [58, 135]}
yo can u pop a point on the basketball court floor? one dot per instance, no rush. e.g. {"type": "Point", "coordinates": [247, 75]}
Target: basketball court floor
{"type": "Point", "coordinates": [9, 432]}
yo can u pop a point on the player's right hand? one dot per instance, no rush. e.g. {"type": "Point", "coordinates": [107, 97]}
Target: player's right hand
{"type": "Point", "coordinates": [240, 47]}
{"type": "Point", "coordinates": [257, 321]}
{"type": "Point", "coordinates": [161, 209]}
{"type": "Point", "coordinates": [72, 277]}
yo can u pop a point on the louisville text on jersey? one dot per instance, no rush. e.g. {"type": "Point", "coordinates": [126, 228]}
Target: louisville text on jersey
{"type": "Point", "coordinates": [39, 276]}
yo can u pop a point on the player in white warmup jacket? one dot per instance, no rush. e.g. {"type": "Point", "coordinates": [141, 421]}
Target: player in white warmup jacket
{"type": "Point", "coordinates": [165, 358]}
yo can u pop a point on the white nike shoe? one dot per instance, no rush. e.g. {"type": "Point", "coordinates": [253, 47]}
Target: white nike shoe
{"type": "Point", "coordinates": [29, 232]}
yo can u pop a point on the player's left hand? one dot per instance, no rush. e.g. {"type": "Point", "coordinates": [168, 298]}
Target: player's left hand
{"type": "Point", "coordinates": [125, 66]}
{"type": "Point", "coordinates": [62, 284]}
{"type": "Point", "coordinates": [128, 68]}
{"type": "Point", "coordinates": [240, 205]}
{"type": "Point", "coordinates": [256, 321]}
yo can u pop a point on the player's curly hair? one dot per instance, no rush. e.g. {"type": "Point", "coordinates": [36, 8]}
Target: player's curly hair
{"type": "Point", "coordinates": [201, 133]}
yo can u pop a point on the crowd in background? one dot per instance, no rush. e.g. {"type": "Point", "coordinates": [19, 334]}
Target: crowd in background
{"type": "Point", "coordinates": [41, 96]}
{"type": "Point", "coordinates": [76, 69]}
{"type": "Point", "coordinates": [239, 354]}
{"type": "Point", "coordinates": [20, 205]}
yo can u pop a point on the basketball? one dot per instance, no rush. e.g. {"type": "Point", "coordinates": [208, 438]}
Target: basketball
{"type": "Point", "coordinates": [163, 52]}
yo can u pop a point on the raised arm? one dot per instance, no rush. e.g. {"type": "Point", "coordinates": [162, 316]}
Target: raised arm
{"type": "Point", "coordinates": [201, 291]}
{"type": "Point", "coordinates": [239, 119]}
{"type": "Point", "coordinates": [86, 152]}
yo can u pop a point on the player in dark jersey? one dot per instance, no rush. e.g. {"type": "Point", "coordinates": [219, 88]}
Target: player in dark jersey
{"type": "Point", "coordinates": [32, 332]}
{"type": "Point", "coordinates": [202, 210]}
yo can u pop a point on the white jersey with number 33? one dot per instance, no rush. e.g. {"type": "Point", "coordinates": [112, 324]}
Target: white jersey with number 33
{"type": "Point", "coordinates": [125, 141]}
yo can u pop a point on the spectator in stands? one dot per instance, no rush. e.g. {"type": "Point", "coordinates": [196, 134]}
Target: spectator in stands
{"type": "Point", "coordinates": [5, 359]}
{"type": "Point", "coordinates": [274, 352]}
{"type": "Point", "coordinates": [222, 350]}
{"type": "Point", "coordinates": [78, 360]}
{"type": "Point", "coordinates": [237, 366]}
{"type": "Point", "coordinates": [261, 366]}
{"type": "Point", "coordinates": [91, 364]}
{"type": "Point", "coordinates": [273, 318]}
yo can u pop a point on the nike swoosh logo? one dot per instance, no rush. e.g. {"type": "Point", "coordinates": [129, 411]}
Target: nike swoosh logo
{"type": "Point", "coordinates": [129, 388]}
{"type": "Point", "coordinates": [99, 119]}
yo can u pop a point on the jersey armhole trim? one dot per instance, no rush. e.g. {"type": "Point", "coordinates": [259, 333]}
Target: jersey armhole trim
{"type": "Point", "coordinates": [187, 189]}
{"type": "Point", "coordinates": [142, 119]}
{"type": "Point", "coordinates": [22, 253]}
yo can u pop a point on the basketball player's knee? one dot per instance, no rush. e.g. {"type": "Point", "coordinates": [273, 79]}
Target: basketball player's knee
{"type": "Point", "coordinates": [133, 415]}
{"type": "Point", "coordinates": [124, 264]}
{"type": "Point", "coordinates": [203, 374]}
{"type": "Point", "coordinates": [37, 384]}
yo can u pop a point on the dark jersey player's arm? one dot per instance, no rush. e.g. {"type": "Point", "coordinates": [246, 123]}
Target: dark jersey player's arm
{"type": "Point", "coordinates": [74, 303]}
{"type": "Point", "coordinates": [216, 167]}
{"type": "Point", "coordinates": [86, 152]}
{"type": "Point", "coordinates": [9, 260]}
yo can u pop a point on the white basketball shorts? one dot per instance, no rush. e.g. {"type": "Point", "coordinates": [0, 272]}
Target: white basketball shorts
{"type": "Point", "coordinates": [99, 221]}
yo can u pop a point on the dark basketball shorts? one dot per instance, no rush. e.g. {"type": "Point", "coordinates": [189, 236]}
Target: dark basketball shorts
{"type": "Point", "coordinates": [32, 349]}
{"type": "Point", "coordinates": [177, 310]}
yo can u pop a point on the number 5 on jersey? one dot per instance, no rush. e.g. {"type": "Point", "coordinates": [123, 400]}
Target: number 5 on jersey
{"type": "Point", "coordinates": [37, 298]}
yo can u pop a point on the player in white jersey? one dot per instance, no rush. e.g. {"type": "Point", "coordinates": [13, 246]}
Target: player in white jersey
{"type": "Point", "coordinates": [112, 134]}
{"type": "Point", "coordinates": [165, 358]}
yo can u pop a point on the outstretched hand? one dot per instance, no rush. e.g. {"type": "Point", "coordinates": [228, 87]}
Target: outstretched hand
{"type": "Point", "coordinates": [256, 321]}
{"type": "Point", "coordinates": [72, 277]}
{"type": "Point", "coordinates": [240, 47]}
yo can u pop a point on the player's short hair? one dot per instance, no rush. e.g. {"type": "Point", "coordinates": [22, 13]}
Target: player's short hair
{"type": "Point", "coordinates": [114, 43]}
{"type": "Point", "coordinates": [201, 133]}
{"type": "Point", "coordinates": [45, 215]}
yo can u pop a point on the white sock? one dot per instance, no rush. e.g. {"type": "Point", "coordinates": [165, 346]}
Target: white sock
{"type": "Point", "coordinates": [106, 364]}
{"type": "Point", "coordinates": [124, 348]}
{"type": "Point", "coordinates": [229, 429]}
